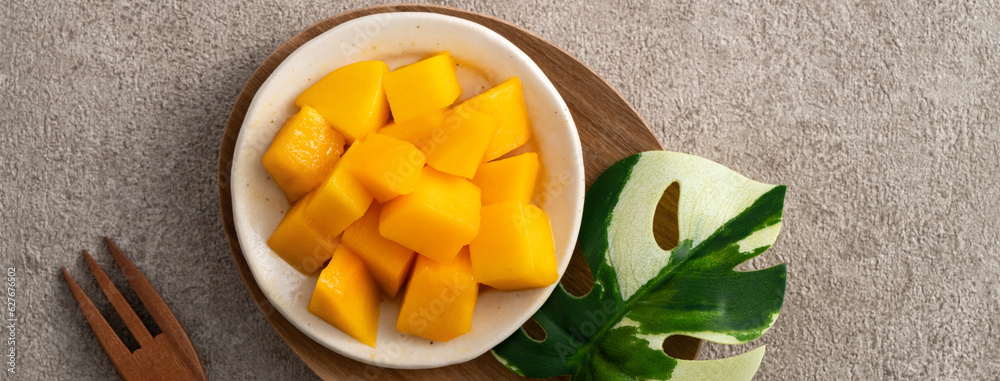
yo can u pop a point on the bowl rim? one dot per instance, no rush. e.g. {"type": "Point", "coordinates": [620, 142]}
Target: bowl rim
{"type": "Point", "coordinates": [547, 88]}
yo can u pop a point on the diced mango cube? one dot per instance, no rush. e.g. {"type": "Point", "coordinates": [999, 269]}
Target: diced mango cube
{"type": "Point", "coordinates": [388, 262]}
{"type": "Point", "coordinates": [508, 179]}
{"type": "Point", "coordinates": [440, 299]}
{"type": "Point", "coordinates": [505, 103]}
{"type": "Point", "coordinates": [346, 297]}
{"type": "Point", "coordinates": [299, 243]}
{"type": "Point", "coordinates": [460, 150]}
{"type": "Point", "coordinates": [514, 248]}
{"type": "Point", "coordinates": [417, 130]}
{"type": "Point", "coordinates": [386, 166]}
{"type": "Point", "coordinates": [351, 98]}
{"type": "Point", "coordinates": [303, 153]}
{"type": "Point", "coordinates": [337, 203]}
{"type": "Point", "coordinates": [422, 87]}
{"type": "Point", "coordinates": [437, 219]}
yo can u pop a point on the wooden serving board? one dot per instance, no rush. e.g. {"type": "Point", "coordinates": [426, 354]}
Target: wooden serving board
{"type": "Point", "coordinates": [610, 129]}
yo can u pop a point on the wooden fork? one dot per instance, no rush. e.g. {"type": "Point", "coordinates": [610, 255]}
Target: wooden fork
{"type": "Point", "coordinates": [169, 355]}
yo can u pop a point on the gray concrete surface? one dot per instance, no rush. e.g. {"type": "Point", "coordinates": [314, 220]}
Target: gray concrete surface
{"type": "Point", "coordinates": [880, 117]}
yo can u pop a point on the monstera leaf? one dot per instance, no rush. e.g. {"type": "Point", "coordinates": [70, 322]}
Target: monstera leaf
{"type": "Point", "coordinates": [642, 294]}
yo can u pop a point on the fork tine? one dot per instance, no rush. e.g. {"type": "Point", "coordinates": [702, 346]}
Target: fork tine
{"type": "Point", "coordinates": [164, 317]}
{"type": "Point", "coordinates": [125, 311]}
{"type": "Point", "coordinates": [106, 336]}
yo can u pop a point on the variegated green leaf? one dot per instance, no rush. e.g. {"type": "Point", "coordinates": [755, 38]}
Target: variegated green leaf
{"type": "Point", "coordinates": [642, 294]}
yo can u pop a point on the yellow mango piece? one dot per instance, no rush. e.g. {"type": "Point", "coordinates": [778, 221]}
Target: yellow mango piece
{"type": "Point", "coordinates": [514, 248]}
{"type": "Point", "coordinates": [386, 166]}
{"type": "Point", "coordinates": [465, 135]}
{"type": "Point", "coordinates": [422, 87]}
{"type": "Point", "coordinates": [505, 103]}
{"type": "Point", "coordinates": [337, 203]}
{"type": "Point", "coordinates": [346, 297]}
{"type": "Point", "coordinates": [508, 179]}
{"type": "Point", "coordinates": [440, 299]}
{"type": "Point", "coordinates": [351, 98]}
{"type": "Point", "coordinates": [388, 262]}
{"type": "Point", "coordinates": [299, 243]}
{"type": "Point", "coordinates": [302, 153]}
{"type": "Point", "coordinates": [417, 130]}
{"type": "Point", "coordinates": [437, 219]}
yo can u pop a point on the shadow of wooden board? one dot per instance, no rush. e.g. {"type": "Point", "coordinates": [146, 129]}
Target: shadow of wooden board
{"type": "Point", "coordinates": [610, 130]}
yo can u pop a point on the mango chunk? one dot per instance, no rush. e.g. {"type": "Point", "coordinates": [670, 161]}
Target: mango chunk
{"type": "Point", "coordinates": [386, 166]}
{"type": "Point", "coordinates": [351, 98]}
{"type": "Point", "coordinates": [422, 87]}
{"type": "Point", "coordinates": [346, 297]}
{"type": "Point", "coordinates": [505, 103]}
{"type": "Point", "coordinates": [337, 203]}
{"type": "Point", "coordinates": [417, 130]}
{"type": "Point", "coordinates": [514, 249]}
{"type": "Point", "coordinates": [440, 299]}
{"type": "Point", "coordinates": [299, 243]}
{"type": "Point", "coordinates": [302, 153]}
{"type": "Point", "coordinates": [508, 179]}
{"type": "Point", "coordinates": [437, 219]}
{"type": "Point", "coordinates": [388, 262]}
{"type": "Point", "coordinates": [460, 150]}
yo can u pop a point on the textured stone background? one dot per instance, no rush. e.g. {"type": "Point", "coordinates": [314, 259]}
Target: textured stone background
{"type": "Point", "coordinates": [881, 118]}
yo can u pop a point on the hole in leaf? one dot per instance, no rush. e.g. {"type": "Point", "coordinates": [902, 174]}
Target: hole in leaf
{"type": "Point", "coordinates": [577, 280]}
{"type": "Point", "coordinates": [681, 347]}
{"type": "Point", "coordinates": [534, 330]}
{"type": "Point", "coordinates": [716, 351]}
{"type": "Point", "coordinates": [665, 228]}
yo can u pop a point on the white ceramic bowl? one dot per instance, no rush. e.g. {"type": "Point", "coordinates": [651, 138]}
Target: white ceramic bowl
{"type": "Point", "coordinates": [485, 59]}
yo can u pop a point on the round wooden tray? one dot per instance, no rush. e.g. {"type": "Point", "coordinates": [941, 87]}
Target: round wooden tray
{"type": "Point", "coordinates": [610, 129]}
